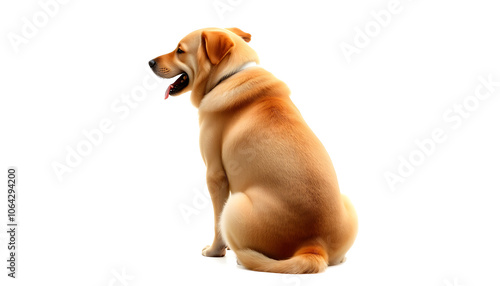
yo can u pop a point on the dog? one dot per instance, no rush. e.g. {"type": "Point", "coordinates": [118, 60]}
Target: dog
{"type": "Point", "coordinates": [273, 187]}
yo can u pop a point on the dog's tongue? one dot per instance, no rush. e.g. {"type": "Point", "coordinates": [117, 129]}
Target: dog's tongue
{"type": "Point", "coordinates": [167, 92]}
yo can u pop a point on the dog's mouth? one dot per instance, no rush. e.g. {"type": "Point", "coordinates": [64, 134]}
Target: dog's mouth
{"type": "Point", "coordinates": [179, 84]}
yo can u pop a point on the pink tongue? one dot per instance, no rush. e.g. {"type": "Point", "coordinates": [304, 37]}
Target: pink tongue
{"type": "Point", "coordinates": [168, 90]}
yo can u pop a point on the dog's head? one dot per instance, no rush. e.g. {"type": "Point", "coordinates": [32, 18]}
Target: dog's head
{"type": "Point", "coordinates": [202, 59]}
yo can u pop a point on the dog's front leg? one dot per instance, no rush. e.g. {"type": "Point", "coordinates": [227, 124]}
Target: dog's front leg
{"type": "Point", "coordinates": [218, 186]}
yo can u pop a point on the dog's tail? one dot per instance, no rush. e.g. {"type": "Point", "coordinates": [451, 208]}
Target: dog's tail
{"type": "Point", "coordinates": [311, 259]}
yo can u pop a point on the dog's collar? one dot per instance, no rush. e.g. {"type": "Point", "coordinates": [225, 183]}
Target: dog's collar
{"type": "Point", "coordinates": [245, 66]}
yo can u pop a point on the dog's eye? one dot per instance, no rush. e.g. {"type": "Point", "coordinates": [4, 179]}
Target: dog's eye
{"type": "Point", "coordinates": [179, 51]}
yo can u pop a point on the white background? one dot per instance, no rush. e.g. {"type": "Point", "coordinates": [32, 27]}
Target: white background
{"type": "Point", "coordinates": [119, 209]}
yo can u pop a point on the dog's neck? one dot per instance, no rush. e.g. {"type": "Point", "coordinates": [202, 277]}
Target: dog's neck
{"type": "Point", "coordinates": [243, 67]}
{"type": "Point", "coordinates": [243, 88]}
{"type": "Point", "coordinates": [247, 65]}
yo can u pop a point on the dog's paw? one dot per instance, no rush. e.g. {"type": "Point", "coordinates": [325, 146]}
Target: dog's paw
{"type": "Point", "coordinates": [213, 252]}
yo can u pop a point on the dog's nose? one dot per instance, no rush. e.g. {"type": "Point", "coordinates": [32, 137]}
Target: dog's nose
{"type": "Point", "coordinates": [152, 63]}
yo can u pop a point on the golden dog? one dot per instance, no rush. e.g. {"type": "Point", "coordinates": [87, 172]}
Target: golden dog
{"type": "Point", "coordinates": [273, 187]}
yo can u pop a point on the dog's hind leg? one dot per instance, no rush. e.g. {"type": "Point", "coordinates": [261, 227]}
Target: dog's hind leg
{"type": "Point", "coordinates": [346, 234]}
{"type": "Point", "coordinates": [234, 217]}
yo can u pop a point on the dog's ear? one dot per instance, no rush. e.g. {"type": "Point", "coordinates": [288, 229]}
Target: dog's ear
{"type": "Point", "coordinates": [217, 45]}
{"type": "Point", "coordinates": [245, 36]}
